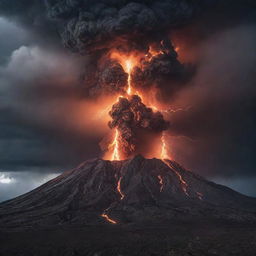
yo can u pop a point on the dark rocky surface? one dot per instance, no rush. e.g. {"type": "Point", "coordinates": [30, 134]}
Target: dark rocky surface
{"type": "Point", "coordinates": [138, 190]}
{"type": "Point", "coordinates": [132, 207]}
{"type": "Point", "coordinates": [197, 238]}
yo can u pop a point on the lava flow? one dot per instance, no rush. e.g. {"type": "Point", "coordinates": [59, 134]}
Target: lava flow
{"type": "Point", "coordinates": [104, 215]}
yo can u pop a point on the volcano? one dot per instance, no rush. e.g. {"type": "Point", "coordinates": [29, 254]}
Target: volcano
{"type": "Point", "coordinates": [133, 191]}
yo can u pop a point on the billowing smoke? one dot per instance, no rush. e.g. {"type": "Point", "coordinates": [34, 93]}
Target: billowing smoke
{"type": "Point", "coordinates": [143, 28]}
{"type": "Point", "coordinates": [133, 119]}
{"type": "Point", "coordinates": [99, 28]}
{"type": "Point", "coordinates": [93, 25]}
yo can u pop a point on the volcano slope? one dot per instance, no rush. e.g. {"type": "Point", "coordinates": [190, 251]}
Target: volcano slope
{"type": "Point", "coordinates": [151, 199]}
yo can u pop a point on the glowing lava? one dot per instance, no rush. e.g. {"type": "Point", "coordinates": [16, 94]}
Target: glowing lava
{"type": "Point", "coordinates": [104, 215]}
{"type": "Point", "coordinates": [115, 146]}
{"type": "Point", "coordinates": [164, 152]}
{"type": "Point", "coordinates": [128, 62]}
{"type": "Point", "coordinates": [129, 67]}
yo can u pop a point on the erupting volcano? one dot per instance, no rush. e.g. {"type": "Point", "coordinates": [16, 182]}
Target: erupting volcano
{"type": "Point", "coordinates": [137, 122]}
{"type": "Point", "coordinates": [128, 87]}
{"type": "Point", "coordinates": [133, 62]}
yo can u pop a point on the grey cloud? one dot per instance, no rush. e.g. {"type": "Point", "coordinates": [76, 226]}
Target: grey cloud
{"type": "Point", "coordinates": [13, 184]}
{"type": "Point", "coordinates": [11, 38]}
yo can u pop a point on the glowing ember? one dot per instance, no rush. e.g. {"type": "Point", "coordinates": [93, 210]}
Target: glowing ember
{"type": "Point", "coordinates": [104, 215]}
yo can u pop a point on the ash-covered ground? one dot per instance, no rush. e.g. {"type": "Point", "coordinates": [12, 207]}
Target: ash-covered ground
{"type": "Point", "coordinates": [194, 238]}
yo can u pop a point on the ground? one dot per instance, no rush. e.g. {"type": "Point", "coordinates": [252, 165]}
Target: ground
{"type": "Point", "coordinates": [169, 239]}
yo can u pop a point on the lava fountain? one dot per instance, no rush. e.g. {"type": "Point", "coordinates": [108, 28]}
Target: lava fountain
{"type": "Point", "coordinates": [138, 127]}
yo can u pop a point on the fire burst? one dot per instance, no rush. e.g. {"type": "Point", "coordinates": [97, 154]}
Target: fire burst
{"type": "Point", "coordinates": [120, 140]}
{"type": "Point", "coordinates": [164, 152]}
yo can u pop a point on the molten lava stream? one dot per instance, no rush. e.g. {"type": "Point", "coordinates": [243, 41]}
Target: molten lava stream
{"type": "Point", "coordinates": [104, 215]}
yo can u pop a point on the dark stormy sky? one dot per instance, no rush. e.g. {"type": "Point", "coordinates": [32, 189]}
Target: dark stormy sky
{"type": "Point", "coordinates": [46, 128]}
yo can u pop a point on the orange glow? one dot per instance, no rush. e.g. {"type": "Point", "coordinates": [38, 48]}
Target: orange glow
{"type": "Point", "coordinates": [153, 53]}
{"type": "Point", "coordinates": [177, 49]}
{"type": "Point", "coordinates": [104, 215]}
{"type": "Point", "coordinates": [119, 188]}
{"type": "Point", "coordinates": [161, 182]}
{"type": "Point", "coordinates": [128, 62]}
{"type": "Point", "coordinates": [129, 67]}
{"type": "Point", "coordinates": [115, 146]}
{"type": "Point", "coordinates": [164, 152]}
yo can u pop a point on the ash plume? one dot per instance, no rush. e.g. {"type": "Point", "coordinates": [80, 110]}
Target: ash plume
{"type": "Point", "coordinates": [94, 28]}
{"type": "Point", "coordinates": [132, 119]}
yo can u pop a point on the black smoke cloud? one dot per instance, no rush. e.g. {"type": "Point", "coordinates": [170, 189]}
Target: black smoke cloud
{"type": "Point", "coordinates": [133, 119]}
{"type": "Point", "coordinates": [96, 27]}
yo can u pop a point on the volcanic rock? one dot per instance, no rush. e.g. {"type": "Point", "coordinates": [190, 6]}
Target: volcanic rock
{"type": "Point", "coordinates": [131, 191]}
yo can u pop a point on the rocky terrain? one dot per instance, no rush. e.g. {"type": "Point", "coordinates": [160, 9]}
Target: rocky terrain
{"type": "Point", "coordinates": [132, 207]}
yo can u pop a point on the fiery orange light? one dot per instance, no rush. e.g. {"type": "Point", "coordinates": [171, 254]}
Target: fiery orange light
{"type": "Point", "coordinates": [115, 146]}
{"type": "Point", "coordinates": [164, 152]}
{"type": "Point", "coordinates": [104, 215]}
{"type": "Point", "coordinates": [129, 66]}
{"type": "Point", "coordinates": [128, 62]}
{"type": "Point", "coordinates": [153, 53]}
